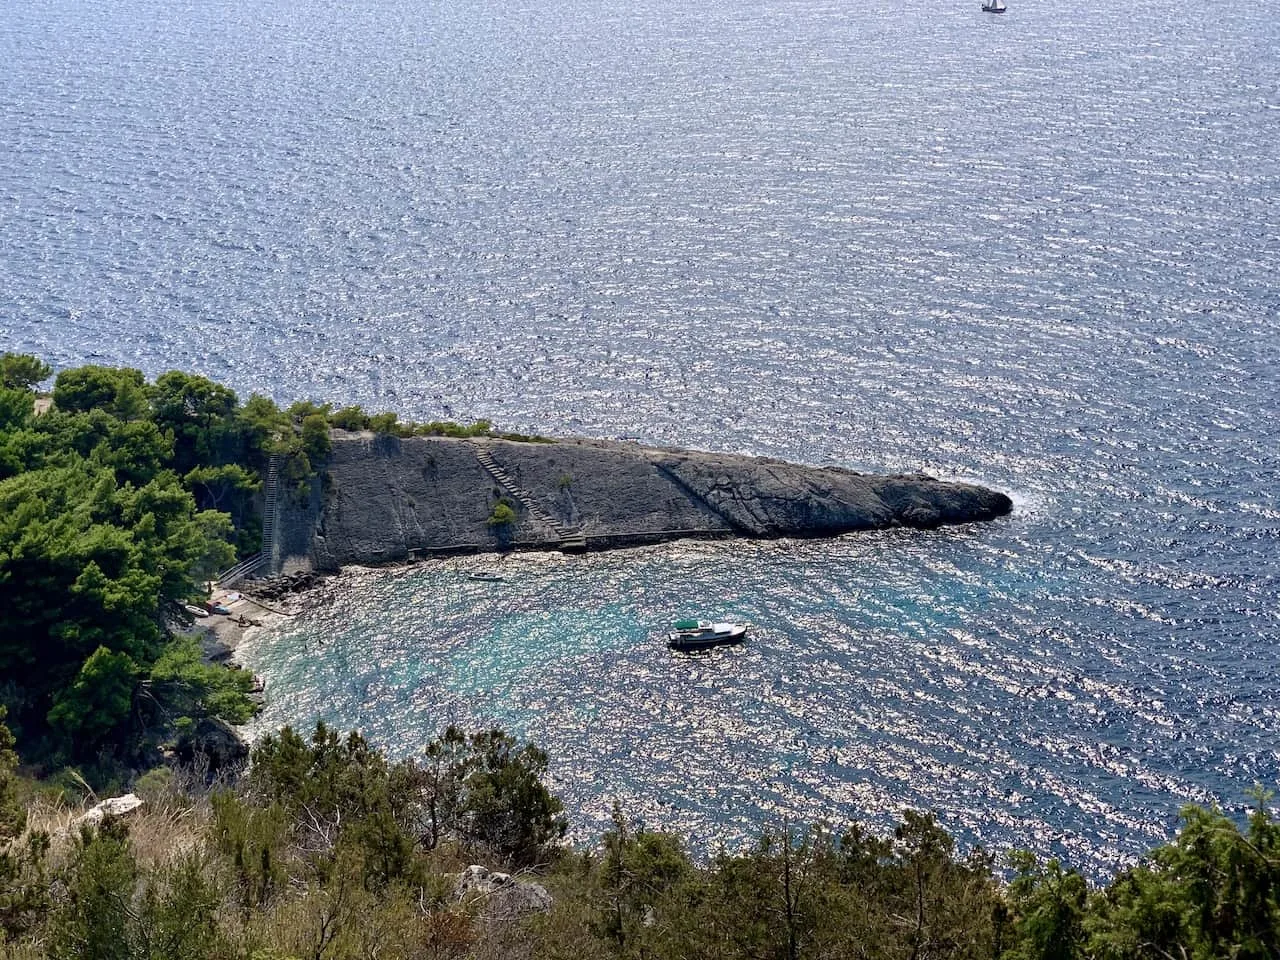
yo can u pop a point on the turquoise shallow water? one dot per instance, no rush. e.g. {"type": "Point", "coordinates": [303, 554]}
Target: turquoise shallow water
{"type": "Point", "coordinates": [883, 671]}
{"type": "Point", "coordinates": [1037, 250]}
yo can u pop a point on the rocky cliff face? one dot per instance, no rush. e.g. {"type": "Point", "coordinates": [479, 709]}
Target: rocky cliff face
{"type": "Point", "coordinates": [384, 499]}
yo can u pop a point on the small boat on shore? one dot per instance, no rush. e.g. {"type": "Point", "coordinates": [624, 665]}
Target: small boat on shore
{"type": "Point", "coordinates": [701, 634]}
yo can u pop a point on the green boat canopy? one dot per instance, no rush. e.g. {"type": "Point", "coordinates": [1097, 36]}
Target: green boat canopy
{"type": "Point", "coordinates": [686, 624]}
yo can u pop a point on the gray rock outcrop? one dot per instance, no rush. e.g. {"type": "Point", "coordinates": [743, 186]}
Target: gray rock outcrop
{"type": "Point", "coordinates": [213, 745]}
{"type": "Point", "coordinates": [772, 498]}
{"type": "Point", "coordinates": [500, 896]}
{"type": "Point", "coordinates": [384, 499]}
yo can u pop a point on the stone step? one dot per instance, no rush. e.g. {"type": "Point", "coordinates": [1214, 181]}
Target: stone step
{"type": "Point", "coordinates": [573, 543]}
{"type": "Point", "coordinates": [523, 496]}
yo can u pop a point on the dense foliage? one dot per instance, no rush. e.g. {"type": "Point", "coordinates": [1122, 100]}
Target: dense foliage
{"type": "Point", "coordinates": [355, 418]}
{"type": "Point", "coordinates": [116, 505]}
{"type": "Point", "coordinates": [327, 850]}
{"type": "Point", "coordinates": [13, 818]}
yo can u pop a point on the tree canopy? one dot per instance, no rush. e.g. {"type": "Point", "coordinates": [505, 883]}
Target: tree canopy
{"type": "Point", "coordinates": [116, 504]}
{"type": "Point", "coordinates": [98, 533]}
{"type": "Point", "coordinates": [21, 371]}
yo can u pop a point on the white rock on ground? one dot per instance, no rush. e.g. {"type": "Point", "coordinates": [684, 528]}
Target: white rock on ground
{"type": "Point", "coordinates": [506, 897]}
{"type": "Point", "coordinates": [111, 807]}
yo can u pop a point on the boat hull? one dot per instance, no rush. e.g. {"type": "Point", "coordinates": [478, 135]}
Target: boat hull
{"type": "Point", "coordinates": [705, 639]}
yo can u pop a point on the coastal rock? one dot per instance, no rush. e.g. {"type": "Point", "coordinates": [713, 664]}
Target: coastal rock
{"type": "Point", "coordinates": [772, 498]}
{"type": "Point", "coordinates": [387, 502]}
{"type": "Point", "coordinates": [282, 587]}
{"type": "Point", "coordinates": [505, 897]}
{"type": "Point", "coordinates": [213, 745]}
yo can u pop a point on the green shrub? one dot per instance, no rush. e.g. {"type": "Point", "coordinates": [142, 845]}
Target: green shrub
{"type": "Point", "coordinates": [156, 783]}
{"type": "Point", "coordinates": [504, 806]}
{"type": "Point", "coordinates": [13, 817]}
{"type": "Point", "coordinates": [24, 885]}
{"type": "Point", "coordinates": [22, 371]}
{"type": "Point", "coordinates": [301, 409]}
{"type": "Point", "coordinates": [95, 920]}
{"type": "Point", "coordinates": [350, 418]}
{"type": "Point", "coordinates": [384, 423]}
{"type": "Point", "coordinates": [503, 515]}
{"type": "Point", "coordinates": [316, 443]}
{"type": "Point", "coordinates": [254, 837]}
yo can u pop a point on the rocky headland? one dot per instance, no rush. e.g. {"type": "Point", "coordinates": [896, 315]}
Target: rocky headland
{"type": "Point", "coordinates": [385, 499]}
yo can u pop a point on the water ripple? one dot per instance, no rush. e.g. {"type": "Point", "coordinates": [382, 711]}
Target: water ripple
{"type": "Point", "coordinates": [1036, 250]}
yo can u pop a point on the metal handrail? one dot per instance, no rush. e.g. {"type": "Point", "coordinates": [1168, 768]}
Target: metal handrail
{"type": "Point", "coordinates": [240, 571]}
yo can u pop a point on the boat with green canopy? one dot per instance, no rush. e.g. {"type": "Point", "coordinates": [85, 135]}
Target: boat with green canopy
{"type": "Point", "coordinates": [692, 634]}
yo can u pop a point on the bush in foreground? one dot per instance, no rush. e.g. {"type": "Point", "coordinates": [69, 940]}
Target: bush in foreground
{"type": "Point", "coordinates": [328, 850]}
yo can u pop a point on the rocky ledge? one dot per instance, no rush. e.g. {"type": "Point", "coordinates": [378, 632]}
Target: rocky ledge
{"type": "Point", "coordinates": [384, 499]}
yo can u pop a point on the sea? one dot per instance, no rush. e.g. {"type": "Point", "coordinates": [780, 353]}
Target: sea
{"type": "Point", "coordinates": [1036, 250]}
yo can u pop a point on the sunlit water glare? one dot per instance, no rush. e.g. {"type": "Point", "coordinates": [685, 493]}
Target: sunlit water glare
{"type": "Point", "coordinates": [1038, 250]}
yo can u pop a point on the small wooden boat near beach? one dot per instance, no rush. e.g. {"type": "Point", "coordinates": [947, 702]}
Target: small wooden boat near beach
{"type": "Point", "coordinates": [488, 576]}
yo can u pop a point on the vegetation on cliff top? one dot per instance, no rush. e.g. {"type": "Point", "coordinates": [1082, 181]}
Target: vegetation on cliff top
{"type": "Point", "coordinates": [116, 505]}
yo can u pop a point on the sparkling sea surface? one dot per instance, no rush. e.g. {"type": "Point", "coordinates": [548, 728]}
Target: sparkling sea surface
{"type": "Point", "coordinates": [1037, 250]}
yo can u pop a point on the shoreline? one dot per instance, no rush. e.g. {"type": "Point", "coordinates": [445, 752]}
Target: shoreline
{"type": "Point", "coordinates": [225, 637]}
{"type": "Point", "coordinates": [222, 636]}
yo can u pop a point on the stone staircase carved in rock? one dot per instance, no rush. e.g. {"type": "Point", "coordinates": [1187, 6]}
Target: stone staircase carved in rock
{"type": "Point", "coordinates": [568, 538]}
{"type": "Point", "coordinates": [270, 518]}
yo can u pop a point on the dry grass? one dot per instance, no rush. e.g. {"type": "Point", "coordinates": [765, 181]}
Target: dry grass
{"type": "Point", "coordinates": [171, 822]}
{"type": "Point", "coordinates": [54, 816]}
{"type": "Point", "coordinates": [22, 951]}
{"type": "Point", "coordinates": [171, 827]}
